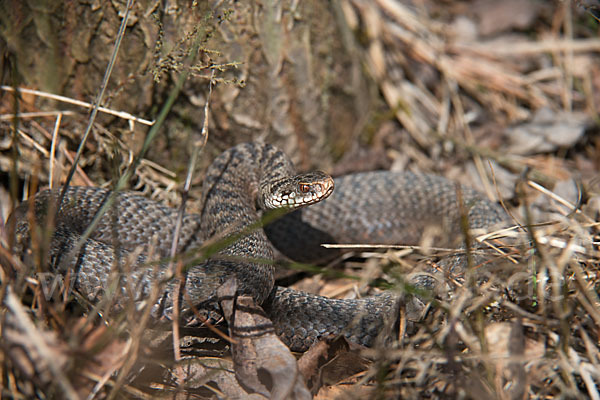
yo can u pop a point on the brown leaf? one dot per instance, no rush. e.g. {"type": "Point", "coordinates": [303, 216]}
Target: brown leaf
{"type": "Point", "coordinates": [201, 372]}
{"type": "Point", "coordinates": [514, 356]}
{"type": "Point", "coordinates": [547, 131]}
{"type": "Point", "coordinates": [330, 361]}
{"type": "Point", "coordinates": [105, 362]}
{"type": "Point", "coordinates": [263, 364]}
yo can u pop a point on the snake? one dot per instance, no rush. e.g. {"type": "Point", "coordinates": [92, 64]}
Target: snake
{"type": "Point", "coordinates": [240, 187]}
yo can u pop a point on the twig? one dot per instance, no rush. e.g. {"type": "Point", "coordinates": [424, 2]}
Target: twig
{"type": "Point", "coordinates": [33, 143]}
{"type": "Point", "coordinates": [574, 208]}
{"type": "Point", "coordinates": [53, 149]}
{"type": "Point", "coordinates": [381, 246]}
{"type": "Point", "coordinates": [64, 99]}
{"type": "Point", "coordinates": [532, 47]}
{"type": "Point", "coordinates": [5, 117]}
{"type": "Point", "coordinates": [81, 173]}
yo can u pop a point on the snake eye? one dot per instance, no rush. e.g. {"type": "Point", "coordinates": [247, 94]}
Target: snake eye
{"type": "Point", "coordinates": [304, 187]}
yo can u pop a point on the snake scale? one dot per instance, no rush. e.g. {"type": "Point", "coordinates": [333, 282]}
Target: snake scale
{"type": "Point", "coordinates": [373, 207]}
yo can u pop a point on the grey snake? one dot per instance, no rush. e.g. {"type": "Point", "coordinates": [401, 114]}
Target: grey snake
{"type": "Point", "coordinates": [373, 207]}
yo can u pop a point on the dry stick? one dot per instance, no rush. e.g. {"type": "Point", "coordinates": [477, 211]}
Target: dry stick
{"type": "Point", "coordinates": [381, 246]}
{"type": "Point", "coordinates": [33, 143]}
{"type": "Point", "coordinates": [64, 99]}
{"type": "Point", "coordinates": [13, 176]}
{"type": "Point", "coordinates": [179, 276]}
{"type": "Point", "coordinates": [524, 48]}
{"type": "Point", "coordinates": [4, 117]}
{"type": "Point", "coordinates": [575, 208]}
{"type": "Point", "coordinates": [53, 148]}
{"type": "Point", "coordinates": [82, 174]}
{"type": "Point", "coordinates": [464, 225]}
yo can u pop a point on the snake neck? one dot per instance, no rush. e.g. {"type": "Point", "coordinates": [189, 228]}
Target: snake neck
{"type": "Point", "coordinates": [231, 186]}
{"type": "Point", "coordinates": [234, 183]}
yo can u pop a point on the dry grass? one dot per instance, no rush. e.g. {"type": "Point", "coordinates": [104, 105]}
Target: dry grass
{"type": "Point", "coordinates": [526, 327]}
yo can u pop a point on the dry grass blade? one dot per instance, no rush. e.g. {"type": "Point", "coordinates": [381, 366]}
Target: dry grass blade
{"type": "Point", "coordinates": [120, 114]}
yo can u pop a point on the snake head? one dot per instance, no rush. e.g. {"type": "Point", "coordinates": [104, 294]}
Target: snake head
{"type": "Point", "coordinates": [297, 191]}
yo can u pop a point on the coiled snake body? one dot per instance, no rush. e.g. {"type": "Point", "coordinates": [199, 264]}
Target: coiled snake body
{"type": "Point", "coordinates": [377, 207]}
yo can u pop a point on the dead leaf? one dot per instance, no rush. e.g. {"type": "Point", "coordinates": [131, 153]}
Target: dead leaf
{"type": "Point", "coordinates": [204, 372]}
{"type": "Point", "coordinates": [515, 357]}
{"type": "Point", "coordinates": [502, 180]}
{"type": "Point", "coordinates": [330, 361]}
{"type": "Point", "coordinates": [263, 364]}
{"type": "Point", "coordinates": [547, 131]}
